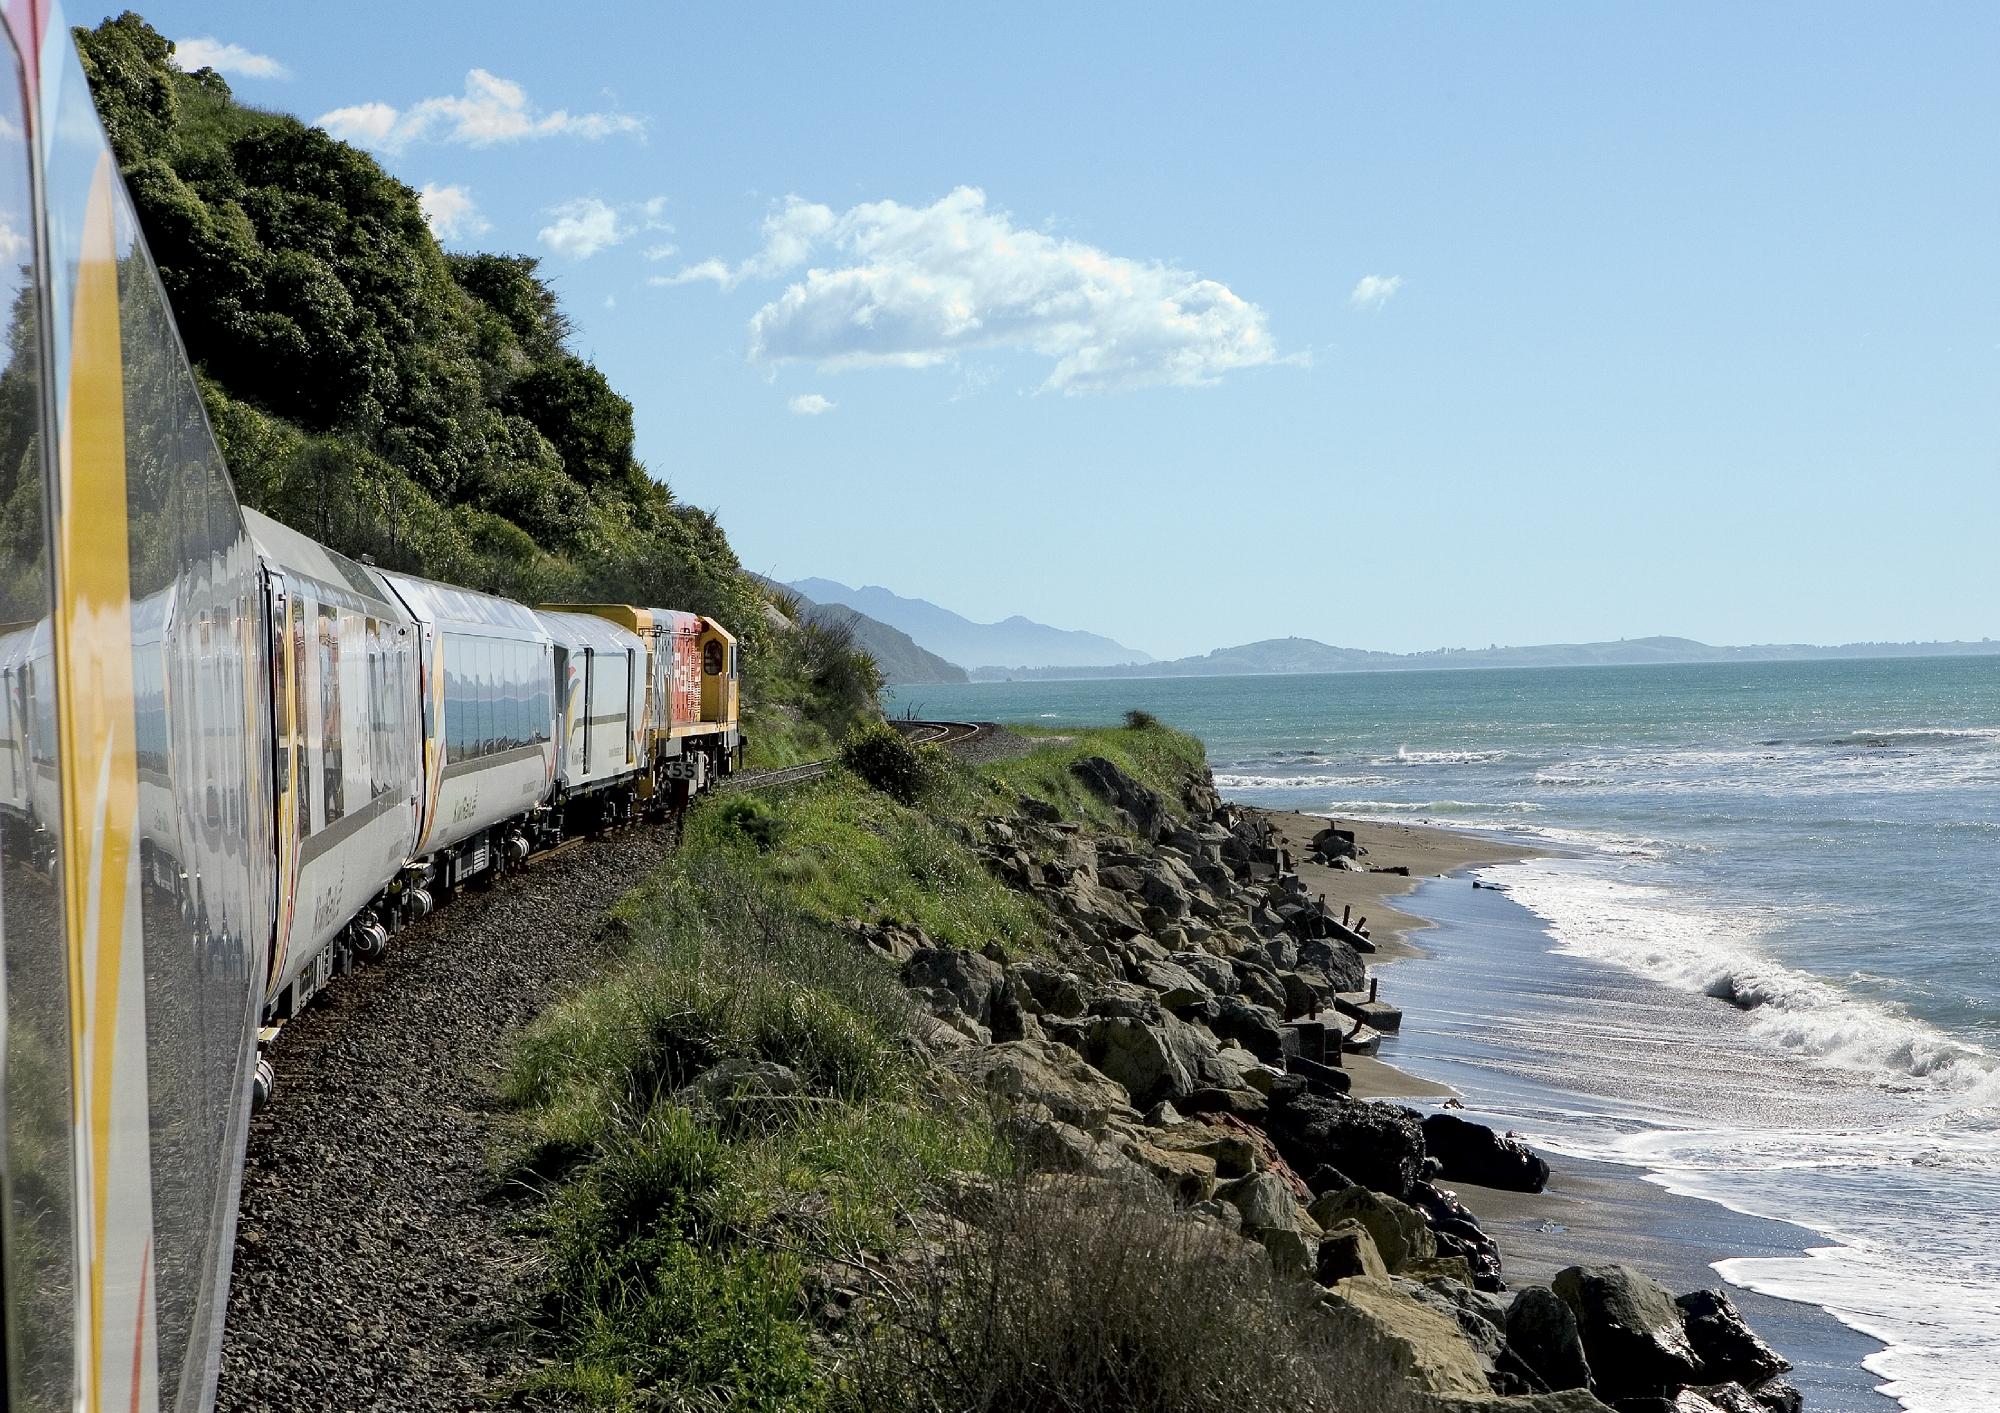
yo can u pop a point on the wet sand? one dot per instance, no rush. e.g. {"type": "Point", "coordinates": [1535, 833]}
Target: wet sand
{"type": "Point", "coordinates": [1426, 851]}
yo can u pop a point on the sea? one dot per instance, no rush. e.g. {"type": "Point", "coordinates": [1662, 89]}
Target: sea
{"type": "Point", "coordinates": [1765, 960]}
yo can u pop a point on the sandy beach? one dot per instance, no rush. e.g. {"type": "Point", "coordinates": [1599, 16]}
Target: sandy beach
{"type": "Point", "coordinates": [1591, 1212]}
{"type": "Point", "coordinates": [1425, 851]}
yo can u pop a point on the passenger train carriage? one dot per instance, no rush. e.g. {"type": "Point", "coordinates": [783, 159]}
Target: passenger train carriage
{"type": "Point", "coordinates": [233, 763]}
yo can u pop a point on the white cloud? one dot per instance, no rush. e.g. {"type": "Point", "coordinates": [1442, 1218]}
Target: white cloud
{"type": "Point", "coordinates": [491, 110]}
{"type": "Point", "coordinates": [368, 124]}
{"type": "Point", "coordinates": [916, 286]}
{"type": "Point", "coordinates": [211, 53]}
{"type": "Point", "coordinates": [810, 405]}
{"type": "Point", "coordinates": [586, 225]}
{"type": "Point", "coordinates": [1374, 291]}
{"type": "Point", "coordinates": [665, 250]}
{"type": "Point", "coordinates": [610, 301]}
{"type": "Point", "coordinates": [451, 212]}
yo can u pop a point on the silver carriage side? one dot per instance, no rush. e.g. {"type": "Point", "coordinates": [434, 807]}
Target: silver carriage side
{"type": "Point", "coordinates": [488, 686]}
{"type": "Point", "coordinates": [600, 673]}
{"type": "Point", "coordinates": [136, 892]}
{"type": "Point", "coordinates": [345, 720]}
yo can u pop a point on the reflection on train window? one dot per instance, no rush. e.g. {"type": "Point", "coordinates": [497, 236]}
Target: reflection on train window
{"type": "Point", "coordinates": [299, 734]}
{"type": "Point", "coordinates": [332, 762]}
{"type": "Point", "coordinates": [498, 695]}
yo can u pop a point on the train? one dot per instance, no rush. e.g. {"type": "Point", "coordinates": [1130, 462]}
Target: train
{"type": "Point", "coordinates": [233, 764]}
{"type": "Point", "coordinates": [426, 735]}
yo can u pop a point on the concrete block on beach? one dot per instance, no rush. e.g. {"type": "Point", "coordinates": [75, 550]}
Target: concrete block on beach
{"type": "Point", "coordinates": [1378, 1015]}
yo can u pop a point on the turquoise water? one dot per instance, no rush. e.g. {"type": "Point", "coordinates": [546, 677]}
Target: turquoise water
{"type": "Point", "coordinates": [1803, 854]}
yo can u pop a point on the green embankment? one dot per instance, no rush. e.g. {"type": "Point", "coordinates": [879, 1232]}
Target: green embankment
{"type": "Point", "coordinates": [686, 1248]}
{"type": "Point", "coordinates": [418, 406]}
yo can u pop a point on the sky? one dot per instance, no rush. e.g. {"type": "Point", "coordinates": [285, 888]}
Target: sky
{"type": "Point", "coordinates": [1395, 326]}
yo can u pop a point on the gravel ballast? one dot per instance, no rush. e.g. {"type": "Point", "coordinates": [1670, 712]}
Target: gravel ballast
{"type": "Point", "coordinates": [375, 1266]}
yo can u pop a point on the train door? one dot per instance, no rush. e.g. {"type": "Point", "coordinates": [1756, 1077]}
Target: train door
{"type": "Point", "coordinates": [589, 715]}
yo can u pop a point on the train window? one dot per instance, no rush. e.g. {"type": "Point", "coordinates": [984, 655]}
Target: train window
{"type": "Point", "coordinates": [332, 761]}
{"type": "Point", "coordinates": [488, 667]}
{"type": "Point", "coordinates": [297, 707]}
{"type": "Point", "coordinates": [506, 673]}
{"type": "Point", "coordinates": [454, 699]}
{"type": "Point", "coordinates": [711, 657]}
{"type": "Point", "coordinates": [372, 637]}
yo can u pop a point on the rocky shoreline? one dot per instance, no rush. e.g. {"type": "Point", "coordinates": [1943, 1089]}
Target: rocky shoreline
{"type": "Point", "coordinates": [1199, 1026]}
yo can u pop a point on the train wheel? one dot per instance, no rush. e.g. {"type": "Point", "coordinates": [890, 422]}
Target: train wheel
{"type": "Point", "coordinates": [262, 1083]}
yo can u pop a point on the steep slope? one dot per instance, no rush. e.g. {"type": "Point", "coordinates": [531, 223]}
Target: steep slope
{"type": "Point", "coordinates": [952, 636]}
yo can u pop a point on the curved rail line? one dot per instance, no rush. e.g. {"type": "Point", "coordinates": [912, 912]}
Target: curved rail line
{"type": "Point", "coordinates": [935, 733]}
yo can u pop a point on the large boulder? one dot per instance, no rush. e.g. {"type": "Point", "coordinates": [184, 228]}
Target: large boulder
{"type": "Point", "coordinates": [1333, 959]}
{"type": "Point", "coordinates": [1398, 1230]}
{"type": "Point", "coordinates": [1632, 1331]}
{"type": "Point", "coordinates": [1050, 991]}
{"type": "Point", "coordinates": [1154, 1060]}
{"type": "Point", "coordinates": [1729, 1350]}
{"type": "Point", "coordinates": [1028, 1072]}
{"type": "Point", "coordinates": [1346, 1251]}
{"type": "Point", "coordinates": [1542, 1329]}
{"type": "Point", "coordinates": [969, 980]}
{"type": "Point", "coordinates": [1374, 1144]}
{"type": "Point", "coordinates": [1473, 1152]}
{"type": "Point", "coordinates": [1404, 1339]}
{"type": "Point", "coordinates": [1250, 1026]}
{"type": "Point", "coordinates": [1113, 785]}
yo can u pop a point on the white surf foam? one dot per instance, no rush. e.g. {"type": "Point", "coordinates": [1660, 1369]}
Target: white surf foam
{"type": "Point", "coordinates": [1652, 930]}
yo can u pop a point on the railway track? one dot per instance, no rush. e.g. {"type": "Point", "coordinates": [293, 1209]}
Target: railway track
{"type": "Point", "coordinates": [377, 1262]}
{"type": "Point", "coordinates": [936, 733]}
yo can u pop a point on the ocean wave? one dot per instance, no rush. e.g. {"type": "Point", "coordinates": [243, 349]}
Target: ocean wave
{"type": "Point", "coordinates": [1435, 806]}
{"type": "Point", "coordinates": [1649, 930]}
{"type": "Point", "coordinates": [1225, 780]}
{"type": "Point", "coordinates": [1897, 736]}
{"type": "Point", "coordinates": [1405, 756]}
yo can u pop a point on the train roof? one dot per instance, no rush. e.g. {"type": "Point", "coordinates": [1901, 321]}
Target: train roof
{"type": "Point", "coordinates": [453, 607]}
{"type": "Point", "coordinates": [297, 554]}
{"type": "Point", "coordinates": [587, 630]}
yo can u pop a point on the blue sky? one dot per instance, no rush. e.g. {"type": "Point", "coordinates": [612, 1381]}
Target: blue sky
{"type": "Point", "coordinates": [1394, 326]}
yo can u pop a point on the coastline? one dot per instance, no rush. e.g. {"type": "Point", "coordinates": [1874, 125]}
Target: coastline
{"type": "Point", "coordinates": [1592, 1212]}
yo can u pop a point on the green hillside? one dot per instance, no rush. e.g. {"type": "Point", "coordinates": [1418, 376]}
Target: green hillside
{"type": "Point", "coordinates": [420, 407]}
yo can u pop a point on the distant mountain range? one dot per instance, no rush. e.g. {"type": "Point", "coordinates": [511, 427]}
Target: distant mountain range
{"type": "Point", "coordinates": [1296, 655]}
{"type": "Point", "coordinates": [957, 639]}
{"type": "Point", "coordinates": [895, 653]}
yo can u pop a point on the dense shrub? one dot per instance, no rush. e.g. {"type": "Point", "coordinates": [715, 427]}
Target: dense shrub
{"type": "Point", "coordinates": [892, 763]}
{"type": "Point", "coordinates": [1138, 719]}
{"type": "Point", "coordinates": [1075, 1294]}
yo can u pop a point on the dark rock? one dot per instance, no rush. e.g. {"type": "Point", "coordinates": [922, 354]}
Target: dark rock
{"type": "Point", "coordinates": [1250, 1026]}
{"type": "Point", "coordinates": [1040, 810]}
{"type": "Point", "coordinates": [1729, 1350]}
{"type": "Point", "coordinates": [1378, 1145]}
{"type": "Point", "coordinates": [1473, 1152]}
{"type": "Point", "coordinates": [1778, 1396]}
{"type": "Point", "coordinates": [1056, 993]}
{"type": "Point", "coordinates": [1244, 1103]}
{"type": "Point", "coordinates": [1725, 1398]}
{"type": "Point", "coordinates": [1632, 1331]}
{"type": "Point", "coordinates": [1339, 963]}
{"type": "Point", "coordinates": [1324, 1179]}
{"type": "Point", "coordinates": [971, 980]}
{"type": "Point", "coordinates": [1346, 1251]}
{"type": "Point", "coordinates": [1542, 1329]}
{"type": "Point", "coordinates": [1110, 783]}
{"type": "Point", "coordinates": [1154, 1061]}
